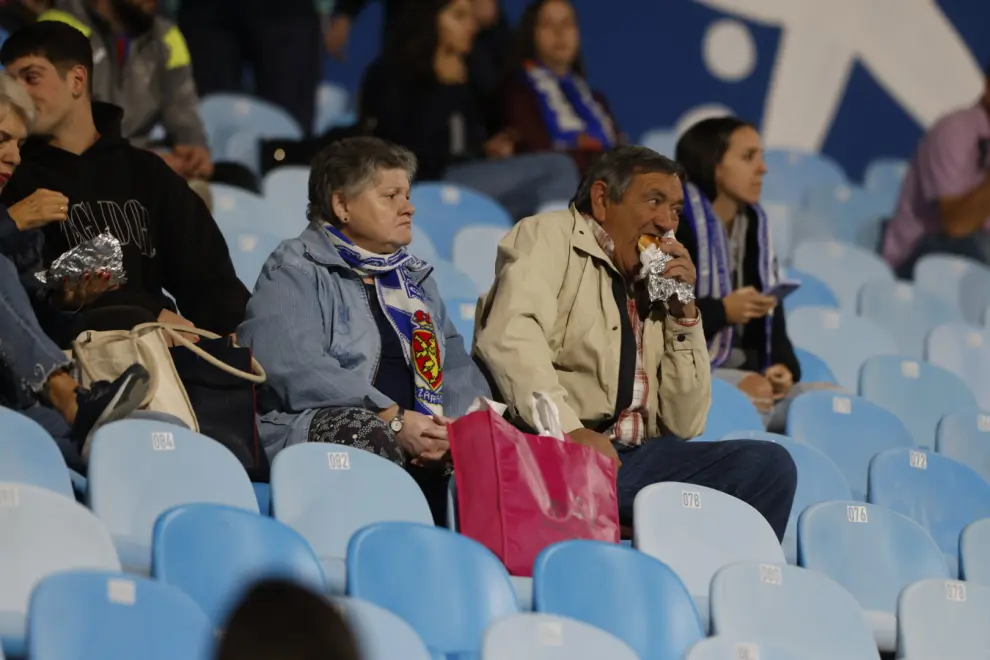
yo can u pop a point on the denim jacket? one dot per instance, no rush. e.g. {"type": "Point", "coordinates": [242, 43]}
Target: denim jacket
{"type": "Point", "coordinates": [310, 325]}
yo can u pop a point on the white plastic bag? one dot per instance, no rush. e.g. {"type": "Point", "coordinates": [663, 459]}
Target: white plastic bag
{"type": "Point", "coordinates": [545, 413]}
{"type": "Point", "coordinates": [481, 403]}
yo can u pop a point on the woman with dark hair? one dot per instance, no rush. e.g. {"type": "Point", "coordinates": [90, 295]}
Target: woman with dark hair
{"type": "Point", "coordinates": [728, 236]}
{"type": "Point", "coordinates": [547, 102]}
{"type": "Point", "coordinates": [421, 94]}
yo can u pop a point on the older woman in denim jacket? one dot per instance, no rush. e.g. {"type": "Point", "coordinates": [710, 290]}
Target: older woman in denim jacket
{"type": "Point", "coordinates": [351, 329]}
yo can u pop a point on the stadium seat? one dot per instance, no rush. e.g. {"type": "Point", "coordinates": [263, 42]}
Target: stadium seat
{"type": "Point", "coordinates": [871, 551]}
{"type": "Point", "coordinates": [621, 591]}
{"type": "Point", "coordinates": [819, 480]}
{"type": "Point", "coordinates": [555, 205]}
{"type": "Point", "coordinates": [939, 493]}
{"type": "Point", "coordinates": [263, 493]}
{"type": "Point", "coordinates": [964, 283]}
{"type": "Point", "coordinates": [697, 530]}
{"type": "Point", "coordinates": [249, 250]}
{"type": "Point", "coordinates": [840, 338]}
{"type": "Point", "coordinates": [844, 268]}
{"type": "Point", "coordinates": [446, 586]}
{"type": "Point", "coordinates": [661, 140]}
{"type": "Point", "coordinates": [974, 552]}
{"type": "Point", "coordinates": [328, 492]}
{"type": "Point", "coordinates": [943, 619]}
{"type": "Point", "coordinates": [422, 246]}
{"type": "Point", "coordinates": [81, 615]}
{"type": "Point", "coordinates": [906, 312]}
{"type": "Point", "coordinates": [475, 249]}
{"type": "Point", "coordinates": [965, 351]}
{"type": "Point", "coordinates": [380, 635]}
{"type": "Point", "coordinates": [454, 284]}
{"type": "Point", "coordinates": [883, 178]}
{"type": "Point", "coordinates": [847, 429]}
{"type": "Point", "coordinates": [790, 174]}
{"type": "Point", "coordinates": [461, 312]}
{"type": "Point", "coordinates": [780, 218]}
{"type": "Point", "coordinates": [812, 293]}
{"type": "Point", "coordinates": [235, 123]}
{"type": "Point", "coordinates": [444, 208]}
{"type": "Point", "coordinates": [843, 212]}
{"type": "Point", "coordinates": [964, 436]}
{"type": "Point", "coordinates": [548, 637]}
{"type": "Point", "coordinates": [41, 533]}
{"type": "Point", "coordinates": [797, 608]}
{"type": "Point", "coordinates": [286, 194]}
{"type": "Point", "coordinates": [216, 553]}
{"type": "Point", "coordinates": [333, 108]}
{"type": "Point", "coordinates": [139, 469]}
{"type": "Point", "coordinates": [29, 455]}
{"type": "Point", "coordinates": [240, 210]}
{"type": "Point", "coordinates": [920, 394]}
{"type": "Point", "coordinates": [813, 368]}
{"type": "Point", "coordinates": [725, 648]}
{"type": "Point", "coordinates": [731, 410]}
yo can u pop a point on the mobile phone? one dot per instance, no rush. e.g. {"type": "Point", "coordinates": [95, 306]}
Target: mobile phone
{"type": "Point", "coordinates": [782, 289]}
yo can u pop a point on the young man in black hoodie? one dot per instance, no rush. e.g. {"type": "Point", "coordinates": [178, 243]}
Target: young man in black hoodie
{"type": "Point", "coordinates": [170, 241]}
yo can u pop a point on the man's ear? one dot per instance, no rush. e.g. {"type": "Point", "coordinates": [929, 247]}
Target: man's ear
{"type": "Point", "coordinates": [599, 200]}
{"type": "Point", "coordinates": [78, 79]}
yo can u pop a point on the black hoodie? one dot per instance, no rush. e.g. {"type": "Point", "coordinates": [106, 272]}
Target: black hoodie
{"type": "Point", "coordinates": [170, 241]}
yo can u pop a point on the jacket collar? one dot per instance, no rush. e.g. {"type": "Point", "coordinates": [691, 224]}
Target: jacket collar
{"type": "Point", "coordinates": [320, 250]}
{"type": "Point", "coordinates": [583, 239]}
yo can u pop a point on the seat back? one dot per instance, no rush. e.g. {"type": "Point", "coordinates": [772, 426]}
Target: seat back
{"type": "Point", "coordinates": [731, 410]}
{"type": "Point", "coordinates": [620, 591]}
{"type": "Point", "coordinates": [843, 267]}
{"type": "Point", "coordinates": [974, 552]}
{"type": "Point", "coordinates": [963, 283]}
{"type": "Point", "coordinates": [446, 586]}
{"type": "Point", "coordinates": [29, 455]}
{"type": "Point", "coordinates": [965, 351]}
{"type": "Point", "coordinates": [381, 635]}
{"type": "Point", "coordinates": [813, 368]}
{"type": "Point", "coordinates": [442, 209]}
{"type": "Point", "coordinates": [138, 469]}
{"type": "Point", "coordinates": [884, 177]}
{"type": "Point", "coordinates": [249, 250]}
{"type": "Point", "coordinates": [791, 173]}
{"type": "Point", "coordinates": [286, 193]}
{"type": "Point", "coordinates": [548, 637]}
{"type": "Point", "coordinates": [849, 430]}
{"type": "Point", "coordinates": [725, 648]}
{"type": "Point", "coordinates": [812, 293]}
{"type": "Point", "coordinates": [843, 212]}
{"type": "Point", "coordinates": [906, 312]}
{"type": "Point", "coordinates": [943, 619]}
{"type": "Point", "coordinates": [328, 492]}
{"type": "Point", "coordinates": [84, 614]}
{"type": "Point", "coordinates": [216, 553]}
{"type": "Point", "coordinates": [964, 436]}
{"type": "Point", "coordinates": [233, 122]}
{"type": "Point", "coordinates": [475, 249]}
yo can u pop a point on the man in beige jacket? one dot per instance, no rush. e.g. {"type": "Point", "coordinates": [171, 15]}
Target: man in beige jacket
{"type": "Point", "coordinates": [566, 316]}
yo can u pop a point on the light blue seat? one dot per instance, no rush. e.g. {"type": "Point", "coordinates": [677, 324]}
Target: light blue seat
{"type": "Point", "coordinates": [843, 212]}
{"type": "Point", "coordinates": [216, 553]}
{"type": "Point", "coordinates": [840, 338]}
{"type": "Point", "coordinates": [41, 533]}
{"type": "Point", "coordinates": [263, 493]}
{"type": "Point", "coordinates": [964, 436]}
{"type": "Point", "coordinates": [847, 429]}
{"type": "Point", "coordinates": [780, 218]}
{"type": "Point", "coordinates": [661, 140]}
{"type": "Point", "coordinates": [138, 469]}
{"type": "Point", "coordinates": [871, 551]}
{"type": "Point", "coordinates": [731, 410]}
{"type": "Point", "coordinates": [884, 177]}
{"type": "Point", "coordinates": [920, 394]}
{"type": "Point", "coordinates": [965, 351]}
{"type": "Point", "coordinates": [791, 173]}
{"type": "Point", "coordinates": [446, 586]}
{"type": "Point", "coordinates": [234, 123]}
{"type": "Point", "coordinates": [81, 615]}
{"type": "Point", "coordinates": [475, 248]}
{"type": "Point", "coordinates": [380, 635]}
{"type": "Point", "coordinates": [313, 493]}
{"type": "Point", "coordinates": [819, 480]}
{"type": "Point", "coordinates": [548, 637]}
{"type": "Point", "coordinates": [249, 250]}
{"type": "Point", "coordinates": [962, 282]}
{"type": "Point", "coordinates": [974, 552]}
{"type": "Point", "coordinates": [29, 455]}
{"type": "Point", "coordinates": [442, 209]}
{"type": "Point", "coordinates": [724, 648]}
{"type": "Point", "coordinates": [800, 610]}
{"type": "Point", "coordinates": [238, 209]}
{"type": "Point", "coordinates": [696, 531]}
{"type": "Point", "coordinates": [906, 312]}
{"type": "Point", "coordinates": [813, 368]}
{"type": "Point", "coordinates": [621, 591]}
{"type": "Point", "coordinates": [812, 293]}
{"type": "Point", "coordinates": [943, 619]}
{"type": "Point", "coordinates": [453, 283]}
{"type": "Point", "coordinates": [286, 193]}
{"type": "Point", "coordinates": [461, 313]}
{"type": "Point", "coordinates": [844, 268]}
{"type": "Point", "coordinates": [937, 492]}
{"type": "Point", "coordinates": [333, 108]}
{"type": "Point", "coordinates": [422, 246]}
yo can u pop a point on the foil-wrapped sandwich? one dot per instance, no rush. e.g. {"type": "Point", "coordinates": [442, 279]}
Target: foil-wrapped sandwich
{"type": "Point", "coordinates": [654, 261]}
{"type": "Point", "coordinates": [100, 254]}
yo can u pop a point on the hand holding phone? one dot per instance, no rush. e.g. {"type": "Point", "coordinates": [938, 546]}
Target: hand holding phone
{"type": "Point", "coordinates": [782, 289]}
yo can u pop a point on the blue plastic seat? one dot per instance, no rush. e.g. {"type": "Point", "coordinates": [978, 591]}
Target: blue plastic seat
{"type": "Point", "coordinates": [454, 284]}
{"type": "Point", "coordinates": [442, 209]}
{"type": "Point", "coordinates": [844, 268]}
{"type": "Point", "coordinates": [791, 173]}
{"type": "Point", "coordinates": [81, 615]}
{"type": "Point", "coordinates": [813, 368]}
{"type": "Point", "coordinates": [843, 212]}
{"type": "Point", "coordinates": [800, 610]}
{"type": "Point", "coordinates": [884, 177]}
{"type": "Point", "coordinates": [29, 455]}
{"type": "Point", "coordinates": [249, 250]}
{"type": "Point", "coordinates": [974, 552]}
{"type": "Point", "coordinates": [813, 292]}
{"type": "Point", "coordinates": [422, 245]}
{"type": "Point", "coordinates": [139, 469]}
{"type": "Point", "coordinates": [216, 553]}
{"type": "Point", "coordinates": [548, 637]}
{"type": "Point", "coordinates": [906, 312]}
{"type": "Point", "coordinates": [964, 436]}
{"type": "Point", "coordinates": [380, 635]}
{"type": "Point", "coordinates": [475, 248]}
{"type": "Point", "coordinates": [819, 480]}
{"type": "Point", "coordinates": [624, 592]}
{"type": "Point", "coordinates": [724, 648]}
{"type": "Point", "coordinates": [920, 394]}
{"type": "Point", "coordinates": [963, 283]}
{"type": "Point", "coordinates": [286, 193]}
{"type": "Point", "coordinates": [965, 351]}
{"type": "Point", "coordinates": [937, 492]}
{"type": "Point", "coordinates": [235, 123]}
{"type": "Point", "coordinates": [333, 108]}
{"type": "Point", "coordinates": [844, 341]}
{"type": "Point", "coordinates": [943, 619]}
{"type": "Point", "coordinates": [314, 493]}
{"type": "Point", "coordinates": [661, 140]}
{"type": "Point", "coordinates": [461, 312]}
{"type": "Point", "coordinates": [847, 429]}
{"type": "Point", "coordinates": [871, 551]}
{"type": "Point", "coordinates": [731, 410]}
{"type": "Point", "coordinates": [446, 586]}
{"type": "Point", "coordinates": [41, 533]}
{"type": "Point", "coordinates": [240, 210]}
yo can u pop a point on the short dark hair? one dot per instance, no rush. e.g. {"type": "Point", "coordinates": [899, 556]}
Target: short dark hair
{"type": "Point", "coordinates": [59, 43]}
{"type": "Point", "coordinates": [617, 168]}
{"type": "Point", "coordinates": [702, 148]}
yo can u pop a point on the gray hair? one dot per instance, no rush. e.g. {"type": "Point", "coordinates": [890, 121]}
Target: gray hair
{"type": "Point", "coordinates": [617, 168]}
{"type": "Point", "coordinates": [14, 97]}
{"type": "Point", "coordinates": [347, 167]}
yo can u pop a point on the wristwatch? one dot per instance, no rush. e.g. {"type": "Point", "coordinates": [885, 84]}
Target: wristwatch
{"type": "Point", "coordinates": [396, 423]}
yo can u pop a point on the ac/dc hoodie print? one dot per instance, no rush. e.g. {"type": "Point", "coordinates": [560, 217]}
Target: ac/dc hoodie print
{"type": "Point", "coordinates": [170, 241]}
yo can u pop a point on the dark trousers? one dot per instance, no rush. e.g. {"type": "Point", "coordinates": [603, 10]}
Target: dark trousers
{"type": "Point", "coordinates": [760, 473]}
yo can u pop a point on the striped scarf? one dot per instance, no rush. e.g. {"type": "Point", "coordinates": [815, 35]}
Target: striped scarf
{"type": "Point", "coordinates": [574, 119]}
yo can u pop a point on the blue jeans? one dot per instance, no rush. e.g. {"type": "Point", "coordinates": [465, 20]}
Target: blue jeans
{"type": "Point", "coordinates": [760, 473]}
